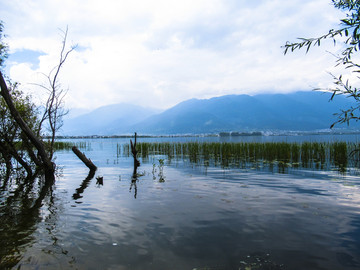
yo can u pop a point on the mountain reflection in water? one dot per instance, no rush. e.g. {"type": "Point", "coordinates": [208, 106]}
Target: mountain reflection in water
{"type": "Point", "coordinates": [176, 214]}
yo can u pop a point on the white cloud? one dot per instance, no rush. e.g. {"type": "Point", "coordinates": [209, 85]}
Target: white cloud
{"type": "Point", "coordinates": [160, 52]}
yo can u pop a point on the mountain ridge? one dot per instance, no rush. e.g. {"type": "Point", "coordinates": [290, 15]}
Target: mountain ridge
{"type": "Point", "coordinates": [303, 111]}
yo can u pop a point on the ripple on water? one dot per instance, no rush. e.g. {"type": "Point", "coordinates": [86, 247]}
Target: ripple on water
{"type": "Point", "coordinates": [225, 219]}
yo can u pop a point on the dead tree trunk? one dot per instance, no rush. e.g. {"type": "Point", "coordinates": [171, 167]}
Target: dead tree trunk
{"type": "Point", "coordinates": [136, 165]}
{"type": "Point", "coordinates": [47, 164]}
{"type": "Point", "coordinates": [134, 152]}
{"type": "Point", "coordinates": [84, 159]}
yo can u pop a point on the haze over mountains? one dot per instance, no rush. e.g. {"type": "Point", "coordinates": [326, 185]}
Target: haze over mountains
{"type": "Point", "coordinates": [301, 111]}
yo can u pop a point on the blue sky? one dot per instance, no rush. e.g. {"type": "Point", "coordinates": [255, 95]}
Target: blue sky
{"type": "Point", "coordinates": [158, 53]}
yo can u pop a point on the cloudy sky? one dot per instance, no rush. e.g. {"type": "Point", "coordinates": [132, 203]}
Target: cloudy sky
{"type": "Point", "coordinates": [158, 53]}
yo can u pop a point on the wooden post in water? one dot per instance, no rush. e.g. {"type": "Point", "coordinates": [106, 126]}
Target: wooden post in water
{"type": "Point", "coordinates": [84, 159]}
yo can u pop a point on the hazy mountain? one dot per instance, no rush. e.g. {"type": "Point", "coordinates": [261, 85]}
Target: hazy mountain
{"type": "Point", "coordinates": [106, 120]}
{"type": "Point", "coordinates": [297, 111]}
{"type": "Point", "coordinates": [76, 112]}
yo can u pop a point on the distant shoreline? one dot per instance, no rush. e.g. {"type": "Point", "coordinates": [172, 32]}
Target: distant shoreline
{"type": "Point", "coordinates": [220, 134]}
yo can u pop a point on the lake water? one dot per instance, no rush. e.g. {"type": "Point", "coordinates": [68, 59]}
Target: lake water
{"type": "Point", "coordinates": [186, 216]}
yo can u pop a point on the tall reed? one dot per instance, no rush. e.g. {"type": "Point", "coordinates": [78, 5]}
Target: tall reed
{"type": "Point", "coordinates": [60, 145]}
{"type": "Point", "coordinates": [305, 154]}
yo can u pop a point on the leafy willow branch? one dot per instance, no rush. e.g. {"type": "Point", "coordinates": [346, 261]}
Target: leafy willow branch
{"type": "Point", "coordinates": [349, 35]}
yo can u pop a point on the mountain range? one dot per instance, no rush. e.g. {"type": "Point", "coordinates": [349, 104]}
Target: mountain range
{"type": "Point", "coordinates": [302, 111]}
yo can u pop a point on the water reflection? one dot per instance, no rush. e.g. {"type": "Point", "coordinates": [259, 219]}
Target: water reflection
{"type": "Point", "coordinates": [134, 179]}
{"type": "Point", "coordinates": [199, 216]}
{"type": "Point", "coordinates": [21, 203]}
{"type": "Point", "coordinates": [84, 185]}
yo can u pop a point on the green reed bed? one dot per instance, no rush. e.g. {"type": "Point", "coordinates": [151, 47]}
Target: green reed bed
{"type": "Point", "coordinates": [306, 154]}
{"type": "Point", "coordinates": [59, 145]}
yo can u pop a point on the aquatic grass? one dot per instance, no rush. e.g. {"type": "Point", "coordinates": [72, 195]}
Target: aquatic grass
{"type": "Point", "coordinates": [339, 154]}
{"type": "Point", "coordinates": [249, 154]}
{"type": "Point", "coordinates": [60, 145]}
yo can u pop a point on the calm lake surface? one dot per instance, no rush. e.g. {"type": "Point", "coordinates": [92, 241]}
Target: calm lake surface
{"type": "Point", "coordinates": [186, 216]}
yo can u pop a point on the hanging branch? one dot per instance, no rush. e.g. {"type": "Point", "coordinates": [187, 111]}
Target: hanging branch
{"type": "Point", "coordinates": [348, 34]}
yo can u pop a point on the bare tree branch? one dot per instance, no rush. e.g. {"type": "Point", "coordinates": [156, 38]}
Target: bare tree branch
{"type": "Point", "coordinates": [54, 107]}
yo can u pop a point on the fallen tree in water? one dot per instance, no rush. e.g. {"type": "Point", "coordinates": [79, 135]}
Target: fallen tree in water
{"type": "Point", "coordinates": [84, 159]}
{"type": "Point", "coordinates": [92, 170]}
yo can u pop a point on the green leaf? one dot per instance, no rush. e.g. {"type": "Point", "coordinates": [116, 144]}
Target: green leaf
{"type": "Point", "coordinates": [308, 47]}
{"type": "Point", "coordinates": [346, 21]}
{"type": "Point", "coordinates": [333, 95]}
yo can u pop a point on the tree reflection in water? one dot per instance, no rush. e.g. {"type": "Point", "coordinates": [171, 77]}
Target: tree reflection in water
{"type": "Point", "coordinates": [134, 179]}
{"type": "Point", "coordinates": [20, 202]}
{"type": "Point", "coordinates": [84, 185]}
